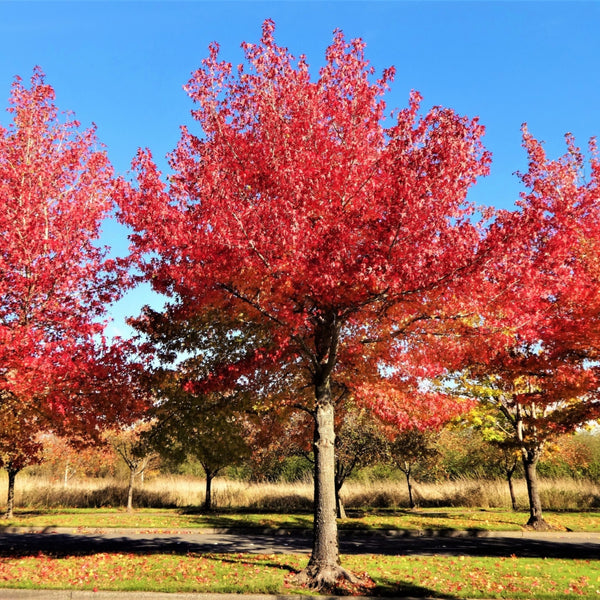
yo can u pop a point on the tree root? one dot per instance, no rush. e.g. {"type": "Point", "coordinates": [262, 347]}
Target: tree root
{"type": "Point", "coordinates": [333, 579]}
{"type": "Point", "coordinates": [540, 525]}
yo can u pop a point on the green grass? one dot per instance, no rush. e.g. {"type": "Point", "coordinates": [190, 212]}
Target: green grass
{"type": "Point", "coordinates": [489, 519]}
{"type": "Point", "coordinates": [178, 519]}
{"type": "Point", "coordinates": [445, 577]}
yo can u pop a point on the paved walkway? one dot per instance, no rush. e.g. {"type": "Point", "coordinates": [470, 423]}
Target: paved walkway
{"type": "Point", "coordinates": [65, 541]}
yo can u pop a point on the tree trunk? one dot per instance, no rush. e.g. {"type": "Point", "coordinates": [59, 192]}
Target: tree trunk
{"type": "Point", "coordinates": [411, 502]}
{"type": "Point", "coordinates": [10, 501]}
{"type": "Point", "coordinates": [130, 489]}
{"type": "Point", "coordinates": [208, 492]}
{"type": "Point", "coordinates": [530, 460]}
{"type": "Point", "coordinates": [325, 544]}
{"type": "Point", "coordinates": [324, 570]}
{"type": "Point", "coordinates": [339, 505]}
{"type": "Point", "coordinates": [511, 488]}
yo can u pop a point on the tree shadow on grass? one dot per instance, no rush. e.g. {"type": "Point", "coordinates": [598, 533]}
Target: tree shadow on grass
{"type": "Point", "coordinates": [390, 588]}
{"type": "Point", "coordinates": [382, 588]}
{"type": "Point", "coordinates": [253, 521]}
{"type": "Point", "coordinates": [59, 544]}
{"type": "Point", "coordinates": [428, 515]}
{"type": "Point", "coordinates": [260, 560]}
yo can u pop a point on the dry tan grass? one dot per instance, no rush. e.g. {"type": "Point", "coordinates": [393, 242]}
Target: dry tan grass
{"type": "Point", "coordinates": [556, 494]}
{"type": "Point", "coordinates": [165, 491]}
{"type": "Point", "coordinates": [182, 491]}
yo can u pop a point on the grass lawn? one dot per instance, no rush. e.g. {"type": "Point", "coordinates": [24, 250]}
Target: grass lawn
{"type": "Point", "coordinates": [445, 577]}
{"type": "Point", "coordinates": [178, 519]}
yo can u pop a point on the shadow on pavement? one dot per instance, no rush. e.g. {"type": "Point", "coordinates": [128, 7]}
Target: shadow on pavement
{"type": "Point", "coordinates": [475, 543]}
{"type": "Point", "coordinates": [452, 543]}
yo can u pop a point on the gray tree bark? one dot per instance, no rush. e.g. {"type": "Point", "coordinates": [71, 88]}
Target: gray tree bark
{"type": "Point", "coordinates": [536, 518]}
{"type": "Point", "coordinates": [324, 569]}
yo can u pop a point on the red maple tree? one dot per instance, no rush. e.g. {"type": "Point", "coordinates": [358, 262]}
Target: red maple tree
{"type": "Point", "coordinates": [296, 208]}
{"type": "Point", "coordinates": [537, 357]}
{"type": "Point", "coordinates": [56, 371]}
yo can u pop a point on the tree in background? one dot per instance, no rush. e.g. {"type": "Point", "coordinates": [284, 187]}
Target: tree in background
{"type": "Point", "coordinates": [132, 446]}
{"type": "Point", "coordinates": [56, 371]}
{"type": "Point", "coordinates": [412, 449]}
{"type": "Point", "coordinates": [209, 423]}
{"type": "Point", "coordinates": [64, 461]}
{"type": "Point", "coordinates": [297, 208]}
{"type": "Point", "coordinates": [202, 426]}
{"type": "Point", "coordinates": [359, 442]}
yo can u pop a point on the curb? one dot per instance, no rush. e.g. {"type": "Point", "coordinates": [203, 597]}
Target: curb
{"type": "Point", "coordinates": [8, 594]}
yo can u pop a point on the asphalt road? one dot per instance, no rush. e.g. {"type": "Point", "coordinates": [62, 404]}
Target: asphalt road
{"type": "Point", "coordinates": [62, 542]}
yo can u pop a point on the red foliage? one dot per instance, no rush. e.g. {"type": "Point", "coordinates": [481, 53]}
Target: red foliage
{"type": "Point", "coordinates": [543, 325]}
{"type": "Point", "coordinates": [299, 208]}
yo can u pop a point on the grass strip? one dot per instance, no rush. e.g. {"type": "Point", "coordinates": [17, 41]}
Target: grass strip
{"type": "Point", "coordinates": [442, 576]}
{"type": "Point", "coordinates": [177, 519]}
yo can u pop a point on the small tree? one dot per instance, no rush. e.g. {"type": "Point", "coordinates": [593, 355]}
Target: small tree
{"type": "Point", "coordinates": [359, 442]}
{"type": "Point", "coordinates": [195, 414]}
{"type": "Point", "coordinates": [413, 449]}
{"type": "Point", "coordinates": [203, 427]}
{"type": "Point", "coordinates": [509, 462]}
{"type": "Point", "coordinates": [133, 447]}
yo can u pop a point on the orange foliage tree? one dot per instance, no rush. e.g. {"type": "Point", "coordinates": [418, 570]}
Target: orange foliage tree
{"type": "Point", "coordinates": [64, 461]}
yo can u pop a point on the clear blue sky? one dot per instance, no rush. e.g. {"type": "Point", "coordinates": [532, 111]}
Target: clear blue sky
{"type": "Point", "coordinates": [122, 65]}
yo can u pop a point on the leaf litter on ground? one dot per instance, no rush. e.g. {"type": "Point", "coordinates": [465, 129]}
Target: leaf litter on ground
{"type": "Point", "coordinates": [445, 576]}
